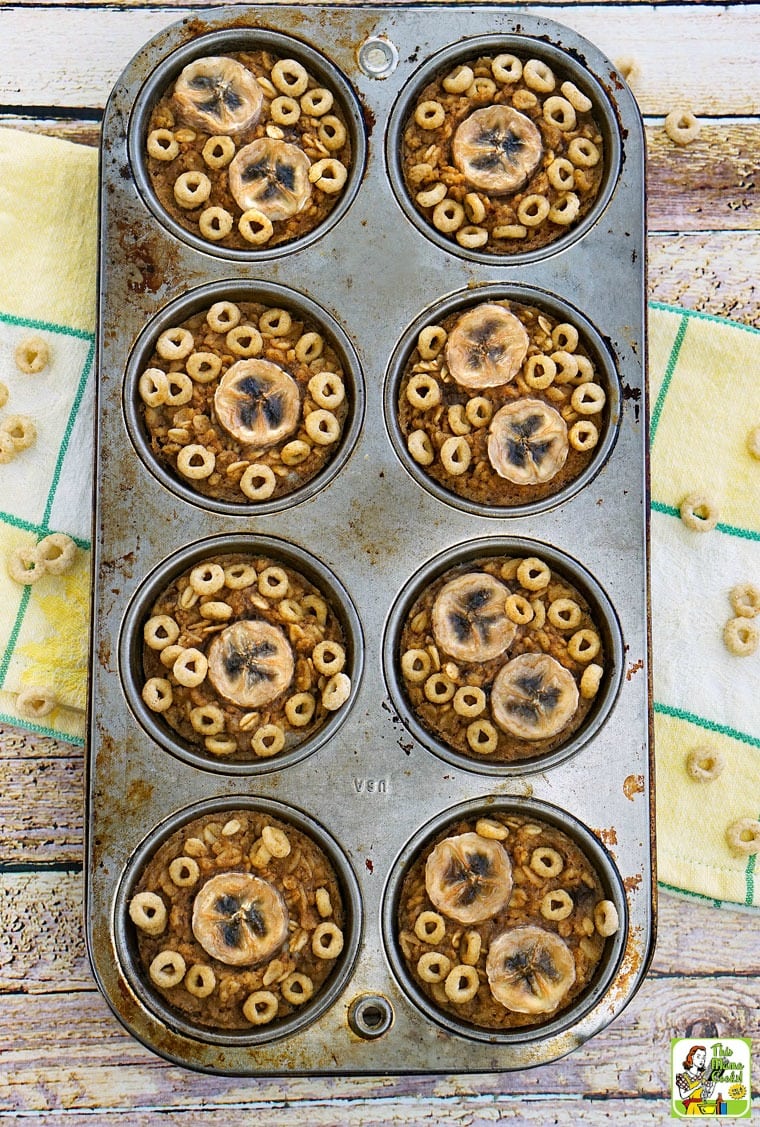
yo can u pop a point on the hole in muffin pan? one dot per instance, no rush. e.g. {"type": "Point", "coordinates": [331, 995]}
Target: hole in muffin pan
{"type": "Point", "coordinates": [229, 43]}
{"type": "Point", "coordinates": [370, 1016]}
{"type": "Point", "coordinates": [132, 651]}
{"type": "Point", "coordinates": [509, 498]}
{"type": "Point", "coordinates": [514, 748]}
{"type": "Point", "coordinates": [171, 833]}
{"type": "Point", "coordinates": [465, 54]}
{"type": "Point", "coordinates": [467, 1017]}
{"type": "Point", "coordinates": [301, 309]}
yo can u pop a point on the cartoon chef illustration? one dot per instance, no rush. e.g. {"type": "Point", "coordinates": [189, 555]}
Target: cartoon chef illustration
{"type": "Point", "coordinates": [695, 1084]}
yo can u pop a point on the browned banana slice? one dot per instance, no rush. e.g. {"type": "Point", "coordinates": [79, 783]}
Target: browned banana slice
{"type": "Point", "coordinates": [272, 177]}
{"type": "Point", "coordinates": [486, 347]}
{"type": "Point", "coordinates": [497, 149]}
{"type": "Point", "coordinates": [530, 971]}
{"type": "Point", "coordinates": [469, 877]}
{"type": "Point", "coordinates": [257, 402]}
{"type": "Point", "coordinates": [533, 697]}
{"type": "Point", "coordinates": [250, 663]}
{"type": "Point", "coordinates": [527, 442]}
{"type": "Point", "coordinates": [218, 96]}
{"type": "Point", "coordinates": [469, 619]}
{"type": "Point", "coordinates": [240, 919]}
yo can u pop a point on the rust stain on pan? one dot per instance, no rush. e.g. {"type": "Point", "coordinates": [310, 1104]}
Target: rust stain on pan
{"type": "Point", "coordinates": [633, 785]}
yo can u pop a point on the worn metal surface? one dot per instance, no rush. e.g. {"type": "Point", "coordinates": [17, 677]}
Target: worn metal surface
{"type": "Point", "coordinates": [372, 785]}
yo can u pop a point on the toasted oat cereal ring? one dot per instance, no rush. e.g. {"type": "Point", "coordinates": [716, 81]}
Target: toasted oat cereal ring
{"type": "Point", "coordinates": [565, 337]}
{"type": "Point", "coordinates": [260, 1007]}
{"type": "Point", "coordinates": [606, 919]}
{"type": "Point", "coordinates": [32, 355]}
{"type": "Point", "coordinates": [590, 681]}
{"type": "Point", "coordinates": [290, 77]}
{"type": "Point", "coordinates": [433, 966]}
{"type": "Point", "coordinates": [462, 984]}
{"type": "Point", "coordinates": [583, 435]}
{"type": "Point", "coordinates": [471, 236]}
{"type": "Point", "coordinates": [162, 144]}
{"type": "Point", "coordinates": [216, 611]}
{"type": "Point", "coordinates": [557, 905]}
{"type": "Point", "coordinates": [200, 980]}
{"type": "Point", "coordinates": [420, 447]}
{"type": "Point", "coordinates": [328, 657]}
{"type": "Point", "coordinates": [583, 152]}
{"type": "Point", "coordinates": [698, 512]}
{"type": "Point", "coordinates": [430, 927]}
{"type": "Point", "coordinates": [469, 701]}
{"type": "Point", "coordinates": [258, 482]}
{"type": "Point", "coordinates": [184, 872]}
{"type": "Point", "coordinates": [175, 344]}
{"type": "Point", "coordinates": [267, 740]}
{"type": "Point", "coordinates": [218, 151]}
{"type": "Point", "coordinates": [169, 655]}
{"type": "Point", "coordinates": [482, 89]}
{"type": "Point", "coordinates": [190, 668]}
{"type": "Point", "coordinates": [36, 702]}
{"type": "Point", "coordinates": [299, 709]}
{"type": "Point", "coordinates": [533, 574]}
{"type": "Point", "coordinates": [576, 97]}
{"type": "Point", "coordinates": [458, 420]}
{"type": "Point", "coordinates": [332, 134]}
{"type": "Point", "coordinates": [560, 112]}
{"type": "Point", "coordinates": [459, 80]}
{"type": "Point", "coordinates": [336, 692]}
{"type": "Point", "coordinates": [585, 370]}
{"type": "Point", "coordinates": [703, 764]}
{"type": "Point", "coordinates": [423, 391]}
{"type": "Point", "coordinates": [566, 365]}
{"type": "Point", "coordinates": [482, 737]}
{"type": "Point", "coordinates": [682, 127]}
{"type": "Point", "coordinates": [538, 76]}
{"type": "Point", "coordinates": [57, 552]}
{"type": "Point", "coordinates": [153, 387]}
{"type": "Point", "coordinates": [430, 341]}
{"type": "Point", "coordinates": [329, 175]}
{"type": "Point", "coordinates": [238, 576]}
{"type": "Point", "coordinates": [456, 455]}
{"type": "Point", "coordinates": [322, 427]}
{"type": "Point", "coordinates": [323, 902]}
{"type": "Point", "coordinates": [584, 645]}
{"type": "Point", "coordinates": [297, 988]}
{"type": "Point", "coordinates": [561, 174]}
{"type": "Point", "coordinates": [327, 940]}
{"type": "Point", "coordinates": [519, 610]}
{"type": "Point", "coordinates": [429, 115]}
{"type": "Point", "coordinates": [167, 969]}
{"type": "Point", "coordinates": [539, 371]}
{"type": "Point", "coordinates": [147, 911]}
{"type": "Point", "coordinates": [533, 210]}
{"type": "Point", "coordinates": [255, 227]}
{"type": "Point", "coordinates": [293, 453]}
{"type": "Point", "coordinates": [474, 207]}
{"type": "Point", "coordinates": [275, 322]}
{"type": "Point", "coordinates": [565, 614]}
{"type": "Point", "coordinates": [506, 69]}
{"type": "Point", "coordinates": [276, 841]}
{"type": "Point", "coordinates": [745, 600]}
{"type": "Point", "coordinates": [160, 631]}
{"type": "Point", "coordinates": [191, 189]}
{"type": "Point", "coordinates": [415, 665]}
{"type": "Point", "coordinates": [448, 216]}
{"type": "Point", "coordinates": [470, 947]}
{"type": "Point", "coordinates": [203, 367]}
{"type": "Point", "coordinates": [439, 688]}
{"type": "Point", "coordinates": [316, 102]}
{"type": "Point", "coordinates": [490, 828]}
{"type": "Point", "coordinates": [743, 837]}
{"type": "Point", "coordinates": [223, 316]}
{"type": "Point", "coordinates": [207, 719]}
{"type": "Point", "coordinates": [588, 399]}
{"type": "Point", "coordinates": [244, 340]}
{"type": "Point", "coordinates": [546, 862]}
{"type": "Point", "coordinates": [478, 411]}
{"type": "Point", "coordinates": [740, 636]}
{"type": "Point", "coordinates": [565, 210]}
{"type": "Point", "coordinates": [207, 578]}
{"type": "Point", "coordinates": [510, 231]}
{"type": "Point", "coordinates": [180, 389]}
{"type": "Point", "coordinates": [285, 110]}
{"type": "Point", "coordinates": [220, 746]}
{"type": "Point", "coordinates": [157, 694]}
{"type": "Point", "coordinates": [274, 583]}
{"type": "Point", "coordinates": [309, 347]}
{"type": "Point", "coordinates": [429, 197]}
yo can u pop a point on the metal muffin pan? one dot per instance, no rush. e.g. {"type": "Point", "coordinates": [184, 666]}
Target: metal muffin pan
{"type": "Point", "coordinates": [371, 528]}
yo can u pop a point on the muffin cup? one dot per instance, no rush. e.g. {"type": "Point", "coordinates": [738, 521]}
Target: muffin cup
{"type": "Point", "coordinates": [600, 860]}
{"type": "Point", "coordinates": [125, 933]}
{"type": "Point", "coordinates": [524, 47]}
{"type": "Point", "coordinates": [605, 618]}
{"type": "Point", "coordinates": [225, 42]}
{"type": "Point", "coordinates": [268, 293]}
{"type": "Point", "coordinates": [138, 611]}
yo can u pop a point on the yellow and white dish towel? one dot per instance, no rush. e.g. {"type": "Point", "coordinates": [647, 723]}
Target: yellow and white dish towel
{"type": "Point", "coordinates": [704, 397]}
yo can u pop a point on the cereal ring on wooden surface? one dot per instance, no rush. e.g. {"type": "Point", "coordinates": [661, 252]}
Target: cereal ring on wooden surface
{"type": "Point", "coordinates": [682, 127]}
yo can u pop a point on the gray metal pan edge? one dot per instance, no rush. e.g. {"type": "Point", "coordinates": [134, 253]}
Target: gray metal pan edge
{"type": "Point", "coordinates": [372, 786]}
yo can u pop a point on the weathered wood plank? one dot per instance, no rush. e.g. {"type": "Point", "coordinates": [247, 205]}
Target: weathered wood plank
{"type": "Point", "coordinates": [67, 1051]}
{"type": "Point", "coordinates": [41, 810]}
{"type": "Point", "coordinates": [711, 272]}
{"type": "Point", "coordinates": [18, 743]}
{"type": "Point", "coordinates": [688, 56]}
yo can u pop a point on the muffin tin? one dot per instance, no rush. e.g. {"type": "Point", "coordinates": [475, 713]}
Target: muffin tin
{"type": "Point", "coordinates": [372, 787]}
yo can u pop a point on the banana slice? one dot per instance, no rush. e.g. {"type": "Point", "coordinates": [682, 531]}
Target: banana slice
{"type": "Point", "coordinates": [469, 619]}
{"type": "Point", "coordinates": [486, 347]}
{"type": "Point", "coordinates": [533, 697]}
{"type": "Point", "coordinates": [530, 971]}
{"type": "Point", "coordinates": [272, 177]}
{"type": "Point", "coordinates": [257, 402]}
{"type": "Point", "coordinates": [469, 877]}
{"type": "Point", "coordinates": [527, 442]}
{"type": "Point", "coordinates": [218, 96]}
{"type": "Point", "coordinates": [497, 149]}
{"type": "Point", "coordinates": [250, 663]}
{"type": "Point", "coordinates": [240, 919]}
